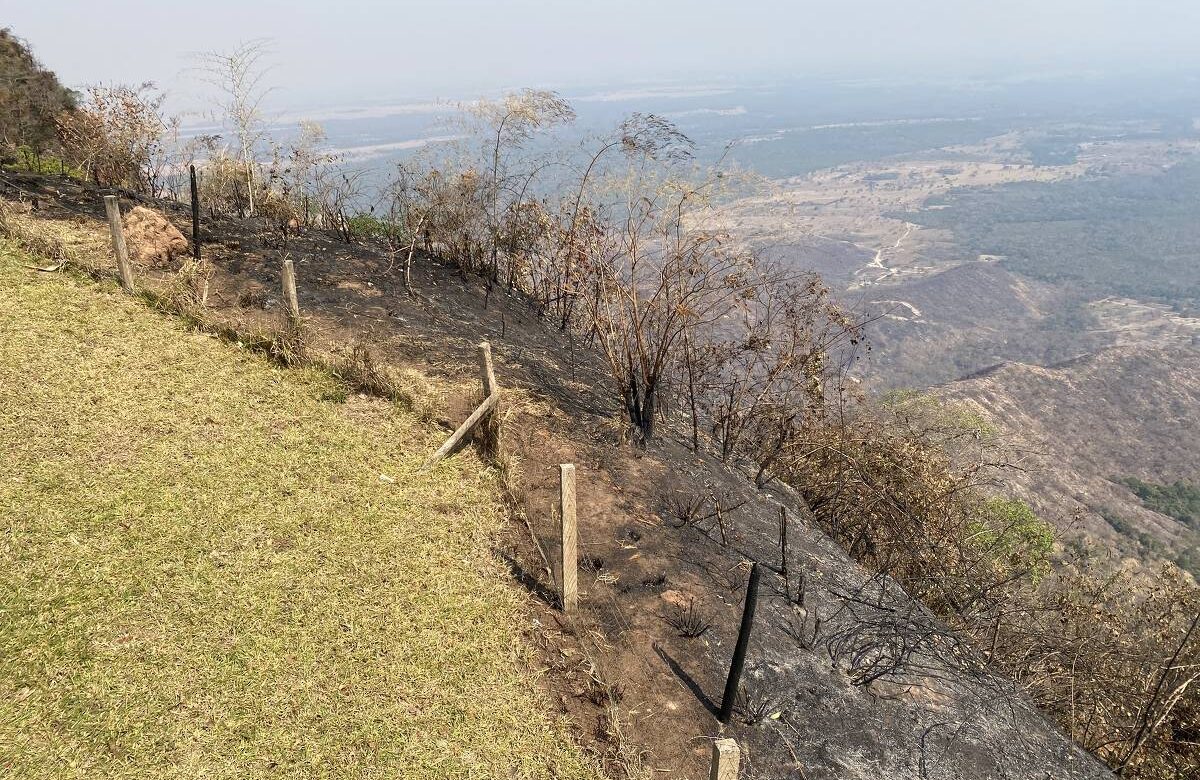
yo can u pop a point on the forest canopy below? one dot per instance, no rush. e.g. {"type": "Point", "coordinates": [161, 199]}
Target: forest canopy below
{"type": "Point", "coordinates": [1129, 235]}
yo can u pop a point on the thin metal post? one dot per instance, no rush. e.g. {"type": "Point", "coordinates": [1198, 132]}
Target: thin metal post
{"type": "Point", "coordinates": [195, 213]}
{"type": "Point", "coordinates": [739, 650]}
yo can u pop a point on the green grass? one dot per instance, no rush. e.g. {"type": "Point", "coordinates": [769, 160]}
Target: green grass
{"type": "Point", "coordinates": [202, 573]}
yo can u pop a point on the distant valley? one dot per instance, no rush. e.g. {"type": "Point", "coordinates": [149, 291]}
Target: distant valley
{"type": "Point", "coordinates": [1047, 278]}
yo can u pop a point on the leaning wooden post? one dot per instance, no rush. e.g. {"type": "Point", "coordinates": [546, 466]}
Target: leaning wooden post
{"type": "Point", "coordinates": [739, 650]}
{"type": "Point", "coordinates": [195, 213]}
{"type": "Point", "coordinates": [726, 758]}
{"type": "Point", "coordinates": [461, 432]}
{"type": "Point", "coordinates": [118, 237]}
{"type": "Point", "coordinates": [288, 274]}
{"type": "Point", "coordinates": [568, 579]}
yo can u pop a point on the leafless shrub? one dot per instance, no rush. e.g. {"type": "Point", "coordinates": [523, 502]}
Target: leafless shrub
{"type": "Point", "coordinates": [688, 622]}
{"type": "Point", "coordinates": [239, 75]}
{"type": "Point", "coordinates": [804, 628]}
{"type": "Point", "coordinates": [727, 578]}
{"type": "Point", "coordinates": [876, 635]}
{"type": "Point", "coordinates": [686, 508]}
{"type": "Point", "coordinates": [724, 504]}
{"type": "Point", "coordinates": [754, 704]}
{"type": "Point", "coordinates": [781, 364]}
{"type": "Point", "coordinates": [360, 371]}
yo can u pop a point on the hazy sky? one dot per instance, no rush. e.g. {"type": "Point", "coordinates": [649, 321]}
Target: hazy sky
{"type": "Point", "coordinates": [335, 51]}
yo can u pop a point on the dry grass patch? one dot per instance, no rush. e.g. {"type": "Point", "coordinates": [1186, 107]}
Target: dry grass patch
{"type": "Point", "coordinates": [206, 569]}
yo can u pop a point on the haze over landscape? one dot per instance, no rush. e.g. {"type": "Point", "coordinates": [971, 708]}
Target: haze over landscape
{"type": "Point", "coordinates": [923, 277]}
{"type": "Point", "coordinates": [368, 51]}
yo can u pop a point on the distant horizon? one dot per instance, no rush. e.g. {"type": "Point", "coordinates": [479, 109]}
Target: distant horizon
{"type": "Point", "coordinates": [290, 107]}
{"type": "Point", "coordinates": [365, 52]}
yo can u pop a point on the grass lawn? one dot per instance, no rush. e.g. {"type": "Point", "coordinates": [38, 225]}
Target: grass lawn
{"type": "Point", "coordinates": [212, 567]}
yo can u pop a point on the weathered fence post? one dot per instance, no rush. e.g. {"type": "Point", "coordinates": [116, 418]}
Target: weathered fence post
{"type": "Point", "coordinates": [739, 650]}
{"type": "Point", "coordinates": [568, 584]}
{"type": "Point", "coordinates": [462, 431]}
{"type": "Point", "coordinates": [486, 370]}
{"type": "Point", "coordinates": [288, 274]}
{"type": "Point", "coordinates": [118, 237]}
{"type": "Point", "coordinates": [726, 758]}
{"type": "Point", "coordinates": [195, 213]}
{"type": "Point", "coordinates": [482, 414]}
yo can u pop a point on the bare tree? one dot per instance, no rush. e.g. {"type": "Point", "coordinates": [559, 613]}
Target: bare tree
{"type": "Point", "coordinates": [645, 138]}
{"type": "Point", "coordinates": [651, 278]}
{"type": "Point", "coordinates": [760, 379]}
{"type": "Point", "coordinates": [239, 75]}
{"type": "Point", "coordinates": [508, 124]}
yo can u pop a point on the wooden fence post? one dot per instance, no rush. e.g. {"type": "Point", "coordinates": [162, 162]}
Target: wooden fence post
{"type": "Point", "coordinates": [568, 577]}
{"type": "Point", "coordinates": [288, 274]}
{"type": "Point", "coordinates": [482, 414]}
{"type": "Point", "coordinates": [461, 432]}
{"type": "Point", "coordinates": [486, 370]}
{"type": "Point", "coordinates": [739, 650]}
{"type": "Point", "coordinates": [726, 758]}
{"type": "Point", "coordinates": [113, 210]}
{"type": "Point", "coordinates": [195, 214]}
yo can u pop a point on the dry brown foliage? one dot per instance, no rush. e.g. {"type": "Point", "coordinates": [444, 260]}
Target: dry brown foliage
{"type": "Point", "coordinates": [117, 137]}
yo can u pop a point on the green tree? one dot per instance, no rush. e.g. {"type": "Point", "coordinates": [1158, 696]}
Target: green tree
{"type": "Point", "coordinates": [31, 100]}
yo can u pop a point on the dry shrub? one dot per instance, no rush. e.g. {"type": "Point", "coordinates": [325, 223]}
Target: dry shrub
{"type": "Point", "coordinates": [253, 297]}
{"type": "Point", "coordinates": [689, 622]}
{"type": "Point", "coordinates": [289, 344]}
{"type": "Point", "coordinates": [34, 236]}
{"type": "Point", "coordinates": [1115, 659]}
{"type": "Point", "coordinates": [117, 137]}
{"type": "Point", "coordinates": [360, 371]}
{"type": "Point", "coordinates": [906, 489]}
{"type": "Point", "coordinates": [409, 388]}
{"type": "Point", "coordinates": [31, 99]}
{"type": "Point", "coordinates": [901, 486]}
{"type": "Point", "coordinates": [186, 292]}
{"type": "Point", "coordinates": [222, 185]}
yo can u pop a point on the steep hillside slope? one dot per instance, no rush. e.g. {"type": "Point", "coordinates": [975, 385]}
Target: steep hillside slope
{"type": "Point", "coordinates": [936, 328]}
{"type": "Point", "coordinates": [1125, 411]}
{"type": "Point", "coordinates": [639, 690]}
